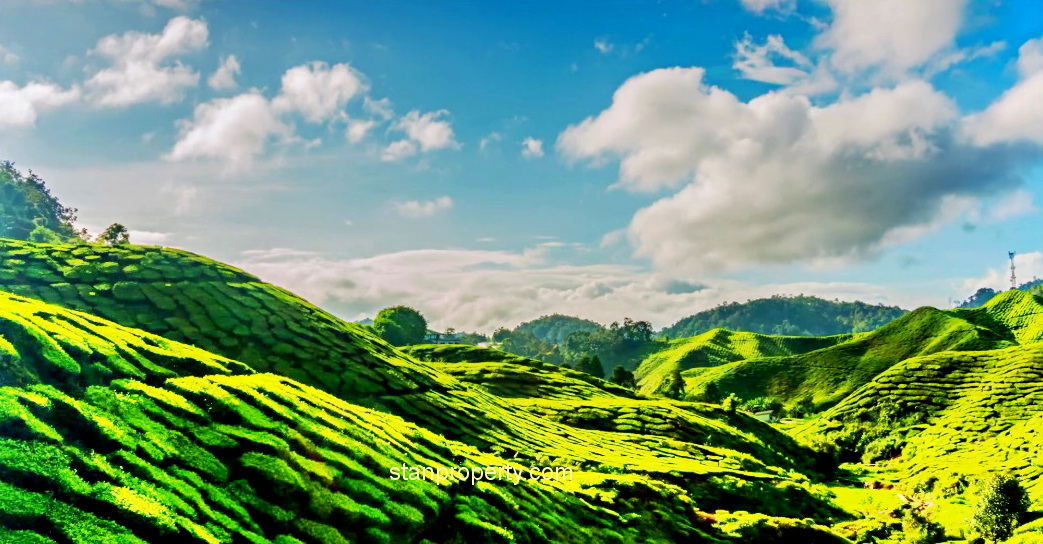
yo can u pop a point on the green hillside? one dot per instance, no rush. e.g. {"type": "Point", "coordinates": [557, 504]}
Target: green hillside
{"type": "Point", "coordinates": [513, 376]}
{"type": "Point", "coordinates": [787, 315]}
{"type": "Point", "coordinates": [115, 435]}
{"type": "Point", "coordinates": [946, 419]}
{"type": "Point", "coordinates": [718, 347]}
{"type": "Point", "coordinates": [825, 376]}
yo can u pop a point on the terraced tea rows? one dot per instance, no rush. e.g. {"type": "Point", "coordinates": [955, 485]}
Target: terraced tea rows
{"type": "Point", "coordinates": [215, 307]}
{"type": "Point", "coordinates": [511, 376]}
{"type": "Point", "coordinates": [220, 454]}
{"type": "Point", "coordinates": [827, 375]}
{"type": "Point", "coordinates": [949, 418]}
{"type": "Point", "coordinates": [717, 347]}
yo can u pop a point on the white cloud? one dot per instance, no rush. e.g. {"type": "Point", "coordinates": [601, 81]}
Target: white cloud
{"type": "Point", "coordinates": [778, 180]}
{"type": "Point", "coordinates": [224, 77]}
{"type": "Point", "coordinates": [398, 150]}
{"type": "Point", "coordinates": [532, 148]}
{"type": "Point", "coordinates": [7, 56]}
{"type": "Point", "coordinates": [603, 45]}
{"type": "Point", "coordinates": [756, 61]}
{"type": "Point", "coordinates": [1030, 58]}
{"type": "Point", "coordinates": [967, 54]}
{"type": "Point", "coordinates": [1017, 115]}
{"type": "Point", "coordinates": [1016, 204]}
{"type": "Point", "coordinates": [761, 6]}
{"type": "Point", "coordinates": [148, 238]}
{"type": "Point", "coordinates": [483, 290]}
{"type": "Point", "coordinates": [318, 91]}
{"type": "Point", "coordinates": [20, 106]}
{"type": "Point", "coordinates": [1027, 266]}
{"type": "Point", "coordinates": [358, 128]}
{"type": "Point", "coordinates": [488, 140]}
{"type": "Point", "coordinates": [234, 130]}
{"type": "Point", "coordinates": [138, 73]}
{"type": "Point", "coordinates": [378, 108]}
{"type": "Point", "coordinates": [427, 130]}
{"type": "Point", "coordinates": [914, 32]}
{"type": "Point", "coordinates": [423, 208]}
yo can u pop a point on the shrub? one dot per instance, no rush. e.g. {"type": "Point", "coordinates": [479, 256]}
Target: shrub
{"type": "Point", "coordinates": [1000, 509]}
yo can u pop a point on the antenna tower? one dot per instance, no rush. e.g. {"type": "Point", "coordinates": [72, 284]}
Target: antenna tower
{"type": "Point", "coordinates": [1013, 279]}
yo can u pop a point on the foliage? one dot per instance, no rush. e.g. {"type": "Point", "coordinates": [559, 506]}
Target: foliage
{"type": "Point", "coordinates": [28, 210]}
{"type": "Point", "coordinates": [792, 315]}
{"type": "Point", "coordinates": [400, 325]}
{"type": "Point", "coordinates": [116, 234]}
{"type": "Point", "coordinates": [1001, 507]}
{"type": "Point", "coordinates": [553, 329]}
{"type": "Point", "coordinates": [591, 364]}
{"type": "Point", "coordinates": [622, 376]}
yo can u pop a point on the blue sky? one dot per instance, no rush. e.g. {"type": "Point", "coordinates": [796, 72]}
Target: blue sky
{"type": "Point", "coordinates": [488, 163]}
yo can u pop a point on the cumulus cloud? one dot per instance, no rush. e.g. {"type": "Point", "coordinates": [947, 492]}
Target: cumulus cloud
{"type": "Point", "coordinates": [485, 289]}
{"type": "Point", "coordinates": [779, 180]}
{"type": "Point", "coordinates": [489, 140]}
{"type": "Point", "coordinates": [423, 208]}
{"type": "Point", "coordinates": [21, 105]}
{"type": "Point", "coordinates": [761, 6]}
{"type": "Point", "coordinates": [234, 130]}
{"type": "Point", "coordinates": [914, 33]}
{"type": "Point", "coordinates": [223, 78]}
{"type": "Point", "coordinates": [358, 128]}
{"type": "Point", "coordinates": [398, 150]}
{"type": "Point", "coordinates": [427, 130]}
{"type": "Point", "coordinates": [603, 45]}
{"type": "Point", "coordinates": [378, 108]}
{"type": "Point", "coordinates": [757, 62]}
{"type": "Point", "coordinates": [532, 148]}
{"type": "Point", "coordinates": [317, 91]}
{"type": "Point", "coordinates": [1016, 116]}
{"type": "Point", "coordinates": [140, 71]}
{"type": "Point", "coordinates": [1028, 266]}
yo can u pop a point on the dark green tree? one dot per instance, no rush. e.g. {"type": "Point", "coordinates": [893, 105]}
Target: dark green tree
{"type": "Point", "coordinates": [400, 326]}
{"type": "Point", "coordinates": [622, 376]}
{"type": "Point", "coordinates": [115, 235]}
{"type": "Point", "coordinates": [1001, 507]}
{"type": "Point", "coordinates": [501, 334]}
{"type": "Point", "coordinates": [591, 364]}
{"type": "Point", "coordinates": [674, 388]}
{"type": "Point", "coordinates": [28, 209]}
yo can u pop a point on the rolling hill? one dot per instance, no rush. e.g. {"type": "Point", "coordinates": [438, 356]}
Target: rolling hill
{"type": "Point", "coordinates": [274, 421]}
{"type": "Point", "coordinates": [717, 347]}
{"type": "Point", "coordinates": [827, 375]}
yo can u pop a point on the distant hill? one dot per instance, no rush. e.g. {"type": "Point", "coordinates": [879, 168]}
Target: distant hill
{"type": "Point", "coordinates": [718, 347]}
{"type": "Point", "coordinates": [985, 294]}
{"type": "Point", "coordinates": [790, 316]}
{"type": "Point", "coordinates": [553, 329]}
{"type": "Point", "coordinates": [826, 376]}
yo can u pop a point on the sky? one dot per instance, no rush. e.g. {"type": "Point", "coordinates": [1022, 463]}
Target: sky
{"type": "Point", "coordinates": [488, 163]}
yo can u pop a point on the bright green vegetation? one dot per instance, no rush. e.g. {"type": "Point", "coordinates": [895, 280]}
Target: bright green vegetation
{"type": "Point", "coordinates": [112, 434]}
{"type": "Point", "coordinates": [512, 376]}
{"type": "Point", "coordinates": [792, 316]}
{"type": "Point", "coordinates": [221, 309]}
{"type": "Point", "coordinates": [825, 376]}
{"type": "Point", "coordinates": [718, 347]}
